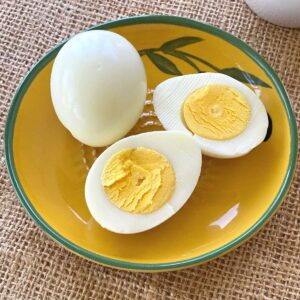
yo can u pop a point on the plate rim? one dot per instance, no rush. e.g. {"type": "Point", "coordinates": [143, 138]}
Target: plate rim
{"type": "Point", "coordinates": [153, 19]}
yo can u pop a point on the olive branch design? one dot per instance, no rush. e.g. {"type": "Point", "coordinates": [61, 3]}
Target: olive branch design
{"type": "Point", "coordinates": [172, 48]}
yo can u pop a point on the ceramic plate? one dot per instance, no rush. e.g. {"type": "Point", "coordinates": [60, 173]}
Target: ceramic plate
{"type": "Point", "coordinates": [233, 198]}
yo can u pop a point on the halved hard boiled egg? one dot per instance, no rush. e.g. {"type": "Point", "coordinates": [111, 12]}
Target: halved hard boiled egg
{"type": "Point", "coordinates": [225, 116]}
{"type": "Point", "coordinates": [142, 180]}
{"type": "Point", "coordinates": [98, 87]}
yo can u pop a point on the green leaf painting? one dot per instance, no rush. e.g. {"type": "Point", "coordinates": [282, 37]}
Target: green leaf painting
{"type": "Point", "coordinates": [270, 128]}
{"type": "Point", "coordinates": [244, 76]}
{"type": "Point", "coordinates": [185, 58]}
{"type": "Point", "coordinates": [172, 48]}
{"type": "Point", "coordinates": [180, 42]}
{"type": "Point", "coordinates": [164, 64]}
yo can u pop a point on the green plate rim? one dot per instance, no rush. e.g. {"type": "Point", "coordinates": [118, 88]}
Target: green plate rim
{"type": "Point", "coordinates": [9, 130]}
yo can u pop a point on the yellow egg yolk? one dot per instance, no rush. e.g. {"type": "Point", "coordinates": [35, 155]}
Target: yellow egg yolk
{"type": "Point", "coordinates": [138, 180]}
{"type": "Point", "coordinates": [216, 112]}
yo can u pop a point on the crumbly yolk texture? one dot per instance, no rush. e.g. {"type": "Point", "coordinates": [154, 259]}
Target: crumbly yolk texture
{"type": "Point", "coordinates": [138, 180]}
{"type": "Point", "coordinates": [216, 112]}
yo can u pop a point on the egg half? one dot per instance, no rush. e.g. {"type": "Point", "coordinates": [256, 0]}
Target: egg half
{"type": "Point", "coordinates": [98, 87]}
{"type": "Point", "coordinates": [223, 115]}
{"type": "Point", "coordinates": [142, 180]}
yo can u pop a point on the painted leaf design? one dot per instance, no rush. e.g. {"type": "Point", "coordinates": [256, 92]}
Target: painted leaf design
{"type": "Point", "coordinates": [180, 42]}
{"type": "Point", "coordinates": [244, 77]}
{"type": "Point", "coordinates": [164, 64]}
{"type": "Point", "coordinates": [142, 52]}
{"type": "Point", "coordinates": [183, 57]}
{"type": "Point", "coordinates": [270, 128]}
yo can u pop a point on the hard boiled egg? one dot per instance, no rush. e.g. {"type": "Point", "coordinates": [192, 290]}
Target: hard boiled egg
{"type": "Point", "coordinates": [98, 87]}
{"type": "Point", "coordinates": [225, 116]}
{"type": "Point", "coordinates": [142, 180]}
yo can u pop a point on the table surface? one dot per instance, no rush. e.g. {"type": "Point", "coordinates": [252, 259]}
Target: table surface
{"type": "Point", "coordinates": [32, 266]}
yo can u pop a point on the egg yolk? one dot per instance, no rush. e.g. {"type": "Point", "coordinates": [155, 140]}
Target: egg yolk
{"type": "Point", "coordinates": [138, 180]}
{"type": "Point", "coordinates": [216, 112]}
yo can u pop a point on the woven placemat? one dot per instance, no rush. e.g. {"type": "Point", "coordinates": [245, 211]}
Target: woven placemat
{"type": "Point", "coordinates": [34, 267]}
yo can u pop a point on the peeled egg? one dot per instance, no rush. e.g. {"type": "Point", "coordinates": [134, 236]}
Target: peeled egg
{"type": "Point", "coordinates": [142, 180]}
{"type": "Point", "coordinates": [225, 116]}
{"type": "Point", "coordinates": [98, 87]}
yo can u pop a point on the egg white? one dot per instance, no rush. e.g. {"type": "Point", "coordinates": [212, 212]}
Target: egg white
{"type": "Point", "coordinates": [98, 87]}
{"type": "Point", "coordinates": [184, 154]}
{"type": "Point", "coordinates": [169, 97]}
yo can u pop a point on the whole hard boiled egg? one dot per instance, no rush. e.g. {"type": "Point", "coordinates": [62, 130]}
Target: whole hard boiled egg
{"type": "Point", "coordinates": [142, 180]}
{"type": "Point", "coordinates": [98, 87]}
{"type": "Point", "coordinates": [225, 116]}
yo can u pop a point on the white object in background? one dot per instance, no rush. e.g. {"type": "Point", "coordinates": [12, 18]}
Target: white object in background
{"type": "Point", "coordinates": [280, 12]}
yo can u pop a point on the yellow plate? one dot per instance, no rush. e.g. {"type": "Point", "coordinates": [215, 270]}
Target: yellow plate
{"type": "Point", "coordinates": [233, 199]}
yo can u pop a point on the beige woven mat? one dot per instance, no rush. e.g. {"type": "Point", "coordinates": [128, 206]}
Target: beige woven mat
{"type": "Point", "coordinates": [33, 267]}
